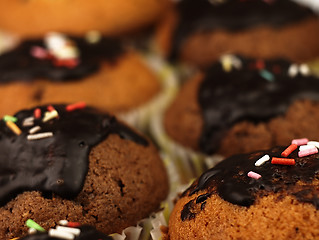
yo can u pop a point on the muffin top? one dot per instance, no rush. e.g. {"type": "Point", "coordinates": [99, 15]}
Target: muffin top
{"type": "Point", "coordinates": [47, 148]}
{"type": "Point", "coordinates": [237, 89]}
{"type": "Point", "coordinates": [241, 179]}
{"type": "Point", "coordinates": [234, 15]}
{"type": "Point", "coordinates": [58, 57]}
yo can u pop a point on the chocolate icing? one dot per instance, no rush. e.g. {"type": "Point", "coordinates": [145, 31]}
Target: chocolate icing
{"type": "Point", "coordinates": [233, 15]}
{"type": "Point", "coordinates": [20, 65]}
{"type": "Point", "coordinates": [57, 164]}
{"type": "Point", "coordinates": [226, 98]}
{"type": "Point", "coordinates": [87, 233]}
{"type": "Point", "coordinates": [230, 181]}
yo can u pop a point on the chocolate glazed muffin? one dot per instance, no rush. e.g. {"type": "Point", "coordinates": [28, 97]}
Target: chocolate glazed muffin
{"type": "Point", "coordinates": [103, 73]}
{"type": "Point", "coordinates": [245, 106]}
{"type": "Point", "coordinates": [199, 32]}
{"type": "Point", "coordinates": [74, 163]}
{"type": "Point", "coordinates": [225, 203]}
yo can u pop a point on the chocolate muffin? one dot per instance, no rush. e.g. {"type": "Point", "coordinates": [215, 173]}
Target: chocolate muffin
{"type": "Point", "coordinates": [72, 162]}
{"type": "Point", "coordinates": [60, 69]}
{"type": "Point", "coordinates": [227, 202]}
{"type": "Point", "coordinates": [245, 106]}
{"type": "Point", "coordinates": [199, 32]}
{"type": "Point", "coordinates": [36, 18]}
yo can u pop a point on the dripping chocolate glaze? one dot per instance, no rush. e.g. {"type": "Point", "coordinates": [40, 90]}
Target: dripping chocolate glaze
{"type": "Point", "coordinates": [87, 233]}
{"type": "Point", "coordinates": [233, 15]}
{"type": "Point", "coordinates": [226, 98]}
{"type": "Point", "coordinates": [57, 164]}
{"type": "Point", "coordinates": [230, 181]}
{"type": "Point", "coordinates": [20, 65]}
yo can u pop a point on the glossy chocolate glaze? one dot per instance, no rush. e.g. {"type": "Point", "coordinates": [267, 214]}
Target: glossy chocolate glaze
{"type": "Point", "coordinates": [229, 180]}
{"type": "Point", "coordinates": [87, 233]}
{"type": "Point", "coordinates": [20, 65]}
{"type": "Point", "coordinates": [227, 98]}
{"type": "Point", "coordinates": [233, 15]}
{"type": "Point", "coordinates": [57, 164]}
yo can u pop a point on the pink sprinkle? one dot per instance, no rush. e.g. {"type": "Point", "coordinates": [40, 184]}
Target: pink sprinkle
{"type": "Point", "coordinates": [253, 175]}
{"type": "Point", "coordinates": [307, 152]}
{"type": "Point", "coordinates": [300, 141]}
{"type": "Point", "coordinates": [39, 52]}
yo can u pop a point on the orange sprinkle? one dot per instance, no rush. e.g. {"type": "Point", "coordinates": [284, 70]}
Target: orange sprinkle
{"type": "Point", "coordinates": [13, 127]}
{"type": "Point", "coordinates": [74, 224]}
{"type": "Point", "coordinates": [78, 105]}
{"type": "Point", "coordinates": [37, 113]}
{"type": "Point", "coordinates": [289, 150]}
{"type": "Point", "coordinates": [283, 161]}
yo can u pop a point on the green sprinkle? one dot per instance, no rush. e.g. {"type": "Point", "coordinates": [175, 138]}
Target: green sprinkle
{"type": "Point", "coordinates": [267, 75]}
{"type": "Point", "coordinates": [7, 118]}
{"type": "Point", "coordinates": [32, 224]}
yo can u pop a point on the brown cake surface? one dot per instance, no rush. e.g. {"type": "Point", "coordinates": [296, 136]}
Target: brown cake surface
{"type": "Point", "coordinates": [108, 77]}
{"type": "Point", "coordinates": [224, 203]}
{"type": "Point", "coordinates": [184, 119]}
{"type": "Point", "coordinates": [198, 33]}
{"type": "Point", "coordinates": [78, 17]}
{"type": "Point", "coordinates": [125, 182]}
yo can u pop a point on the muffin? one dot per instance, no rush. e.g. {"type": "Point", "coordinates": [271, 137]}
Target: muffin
{"type": "Point", "coordinates": [199, 32]}
{"type": "Point", "coordinates": [100, 71]}
{"type": "Point", "coordinates": [240, 105]}
{"type": "Point", "coordinates": [72, 162]}
{"type": "Point", "coordinates": [78, 17]}
{"type": "Point", "coordinates": [239, 200]}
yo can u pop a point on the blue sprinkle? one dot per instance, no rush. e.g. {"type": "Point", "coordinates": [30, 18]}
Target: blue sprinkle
{"type": "Point", "coordinates": [267, 75]}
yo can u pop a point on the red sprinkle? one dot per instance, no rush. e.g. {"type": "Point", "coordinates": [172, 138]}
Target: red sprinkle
{"type": "Point", "coordinates": [69, 63]}
{"type": "Point", "coordinates": [37, 113]}
{"type": "Point", "coordinates": [289, 150]}
{"type": "Point", "coordinates": [50, 108]}
{"type": "Point", "coordinates": [260, 64]}
{"type": "Point", "coordinates": [276, 69]}
{"type": "Point", "coordinates": [74, 224]}
{"type": "Point", "coordinates": [283, 161]}
{"type": "Point", "coordinates": [74, 106]}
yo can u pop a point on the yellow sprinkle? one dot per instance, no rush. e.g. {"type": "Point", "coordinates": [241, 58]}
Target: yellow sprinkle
{"type": "Point", "coordinates": [14, 238]}
{"type": "Point", "coordinates": [13, 127]}
{"type": "Point", "coordinates": [227, 64]}
{"type": "Point", "coordinates": [50, 115]}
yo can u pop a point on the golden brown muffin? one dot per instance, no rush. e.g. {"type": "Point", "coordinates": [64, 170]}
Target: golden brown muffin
{"type": "Point", "coordinates": [261, 29]}
{"type": "Point", "coordinates": [105, 75]}
{"type": "Point", "coordinates": [88, 168]}
{"type": "Point", "coordinates": [36, 17]}
{"type": "Point", "coordinates": [226, 203]}
{"type": "Point", "coordinates": [257, 106]}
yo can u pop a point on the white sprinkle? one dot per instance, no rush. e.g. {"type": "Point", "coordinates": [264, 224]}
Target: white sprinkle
{"type": "Point", "coordinates": [63, 222]}
{"type": "Point", "coordinates": [293, 70]}
{"type": "Point", "coordinates": [262, 160]}
{"type": "Point", "coordinates": [40, 136]}
{"type": "Point", "coordinates": [313, 143]}
{"type": "Point", "coordinates": [60, 234]}
{"type": "Point", "coordinates": [27, 122]}
{"type": "Point", "coordinates": [306, 147]}
{"type": "Point", "coordinates": [304, 69]}
{"type": "Point", "coordinates": [32, 231]}
{"type": "Point", "coordinates": [34, 129]}
{"type": "Point", "coordinates": [50, 115]}
{"type": "Point", "coordinates": [74, 231]}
